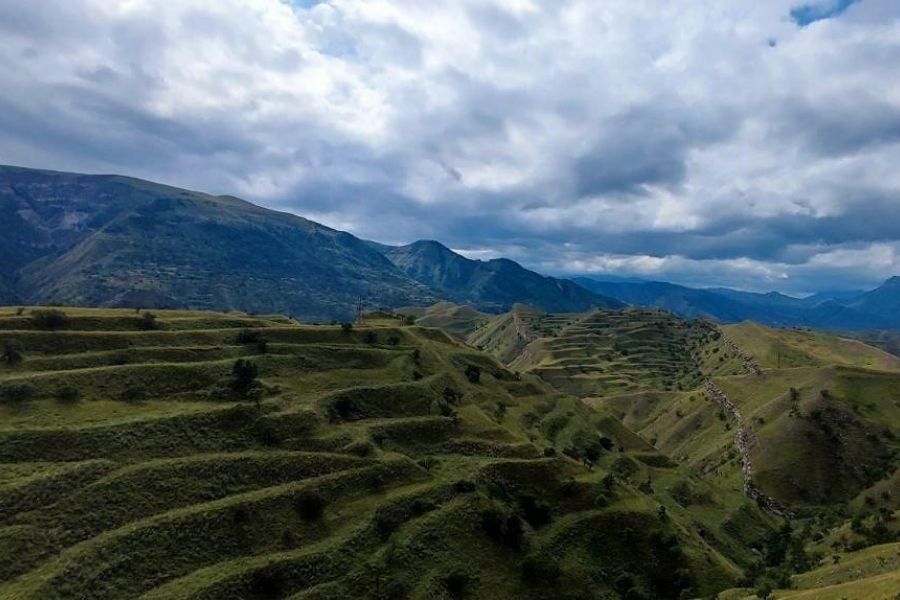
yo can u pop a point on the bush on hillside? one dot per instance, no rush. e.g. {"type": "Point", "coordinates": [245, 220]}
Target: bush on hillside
{"type": "Point", "coordinates": [50, 319]}
{"type": "Point", "coordinates": [148, 322]}
{"type": "Point", "coordinates": [473, 373]}
{"type": "Point", "coordinates": [11, 355]}
{"type": "Point", "coordinates": [346, 327]}
{"type": "Point", "coordinates": [247, 336]}
{"type": "Point", "coordinates": [18, 393]}
{"type": "Point", "coordinates": [244, 376]}
{"type": "Point", "coordinates": [310, 505]}
{"type": "Point", "coordinates": [67, 395]}
{"type": "Point", "coordinates": [456, 584]}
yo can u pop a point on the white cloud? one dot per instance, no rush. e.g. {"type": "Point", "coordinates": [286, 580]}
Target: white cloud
{"type": "Point", "coordinates": [713, 133]}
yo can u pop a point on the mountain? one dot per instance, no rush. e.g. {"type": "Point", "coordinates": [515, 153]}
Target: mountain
{"type": "Point", "coordinates": [108, 240]}
{"type": "Point", "coordinates": [883, 301]}
{"type": "Point", "coordinates": [493, 285]}
{"type": "Point", "coordinates": [879, 308]}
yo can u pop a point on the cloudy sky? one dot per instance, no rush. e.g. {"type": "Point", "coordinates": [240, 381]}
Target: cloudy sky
{"type": "Point", "coordinates": [708, 142]}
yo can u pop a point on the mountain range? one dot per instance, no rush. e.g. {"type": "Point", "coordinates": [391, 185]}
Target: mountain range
{"type": "Point", "coordinates": [875, 309]}
{"type": "Point", "coordinates": [108, 240]}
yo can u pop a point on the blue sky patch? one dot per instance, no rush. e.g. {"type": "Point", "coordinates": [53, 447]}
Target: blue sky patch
{"type": "Point", "coordinates": [807, 14]}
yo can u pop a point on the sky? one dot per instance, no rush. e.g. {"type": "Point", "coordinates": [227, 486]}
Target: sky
{"type": "Point", "coordinates": [707, 142]}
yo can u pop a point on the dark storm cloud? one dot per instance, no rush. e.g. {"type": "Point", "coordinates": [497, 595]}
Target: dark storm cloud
{"type": "Point", "coordinates": [841, 125]}
{"type": "Point", "coordinates": [647, 145]}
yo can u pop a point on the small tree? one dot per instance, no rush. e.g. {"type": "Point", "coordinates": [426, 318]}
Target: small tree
{"type": "Point", "coordinates": [244, 377]}
{"type": "Point", "coordinates": [148, 322]}
{"type": "Point", "coordinates": [11, 355]}
{"type": "Point", "coordinates": [310, 505]}
{"type": "Point", "coordinates": [49, 319]}
{"type": "Point", "coordinates": [346, 327]}
{"type": "Point", "coordinates": [18, 393]}
{"type": "Point", "coordinates": [68, 395]}
{"type": "Point", "coordinates": [473, 373]}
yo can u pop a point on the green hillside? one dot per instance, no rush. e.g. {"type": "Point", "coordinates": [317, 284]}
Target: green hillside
{"type": "Point", "coordinates": [134, 463]}
{"type": "Point", "coordinates": [608, 352]}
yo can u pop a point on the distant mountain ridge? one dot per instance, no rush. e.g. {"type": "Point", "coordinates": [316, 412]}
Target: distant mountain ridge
{"type": "Point", "coordinates": [493, 285]}
{"type": "Point", "coordinates": [875, 309]}
{"type": "Point", "coordinates": [109, 240]}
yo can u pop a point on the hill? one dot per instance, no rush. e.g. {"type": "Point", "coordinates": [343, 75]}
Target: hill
{"type": "Point", "coordinates": [492, 285]}
{"type": "Point", "coordinates": [134, 462]}
{"type": "Point", "coordinates": [608, 352]}
{"type": "Point", "coordinates": [836, 310]}
{"type": "Point", "coordinates": [107, 240]}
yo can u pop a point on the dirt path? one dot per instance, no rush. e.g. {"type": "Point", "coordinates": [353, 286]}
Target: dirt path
{"type": "Point", "coordinates": [745, 440]}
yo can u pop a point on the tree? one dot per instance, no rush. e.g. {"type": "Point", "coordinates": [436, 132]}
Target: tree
{"type": "Point", "coordinates": [244, 377]}
{"type": "Point", "coordinates": [68, 395]}
{"type": "Point", "coordinates": [11, 355]}
{"type": "Point", "coordinates": [49, 319]}
{"type": "Point", "coordinates": [346, 327]}
{"type": "Point", "coordinates": [18, 393]}
{"type": "Point", "coordinates": [148, 322]}
{"type": "Point", "coordinates": [310, 504]}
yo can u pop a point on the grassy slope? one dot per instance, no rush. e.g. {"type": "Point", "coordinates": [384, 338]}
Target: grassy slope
{"type": "Point", "coordinates": [160, 483]}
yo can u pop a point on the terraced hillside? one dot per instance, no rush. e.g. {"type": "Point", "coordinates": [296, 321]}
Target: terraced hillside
{"type": "Point", "coordinates": [818, 437]}
{"type": "Point", "coordinates": [142, 456]}
{"type": "Point", "coordinates": [609, 352]}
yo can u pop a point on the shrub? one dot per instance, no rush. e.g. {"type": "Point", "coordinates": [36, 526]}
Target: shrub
{"type": "Point", "coordinates": [18, 393]}
{"type": "Point", "coordinates": [346, 327]}
{"type": "Point", "coordinates": [537, 515]}
{"type": "Point", "coordinates": [536, 570]}
{"type": "Point", "coordinates": [247, 336]}
{"type": "Point", "coordinates": [68, 395]}
{"type": "Point", "coordinates": [370, 337]}
{"type": "Point", "coordinates": [473, 373]}
{"type": "Point", "coordinates": [148, 322]}
{"type": "Point", "coordinates": [11, 355]}
{"type": "Point", "coordinates": [310, 505]}
{"type": "Point", "coordinates": [133, 394]}
{"type": "Point", "coordinates": [267, 584]}
{"type": "Point", "coordinates": [244, 374]}
{"type": "Point", "coordinates": [49, 319]}
{"type": "Point", "coordinates": [456, 583]}
{"type": "Point", "coordinates": [393, 340]}
{"type": "Point", "coordinates": [20, 311]}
